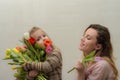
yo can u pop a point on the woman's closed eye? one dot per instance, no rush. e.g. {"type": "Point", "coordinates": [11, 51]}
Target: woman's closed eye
{"type": "Point", "coordinates": [88, 38]}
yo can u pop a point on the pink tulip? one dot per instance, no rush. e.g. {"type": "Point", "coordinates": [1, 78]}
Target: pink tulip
{"type": "Point", "coordinates": [48, 49]}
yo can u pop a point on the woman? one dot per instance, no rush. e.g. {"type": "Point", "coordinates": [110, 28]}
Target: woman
{"type": "Point", "coordinates": [97, 38]}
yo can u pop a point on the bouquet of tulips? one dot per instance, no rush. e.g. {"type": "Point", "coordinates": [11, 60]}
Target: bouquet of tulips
{"type": "Point", "coordinates": [32, 51]}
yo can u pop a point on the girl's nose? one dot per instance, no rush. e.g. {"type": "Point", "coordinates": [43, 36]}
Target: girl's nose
{"type": "Point", "coordinates": [43, 39]}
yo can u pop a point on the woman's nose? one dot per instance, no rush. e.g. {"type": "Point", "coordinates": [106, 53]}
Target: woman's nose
{"type": "Point", "coordinates": [82, 39]}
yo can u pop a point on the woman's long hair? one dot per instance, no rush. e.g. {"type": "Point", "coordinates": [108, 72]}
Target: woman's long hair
{"type": "Point", "coordinates": [104, 39]}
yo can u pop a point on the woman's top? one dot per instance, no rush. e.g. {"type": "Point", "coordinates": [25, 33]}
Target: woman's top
{"type": "Point", "coordinates": [100, 70]}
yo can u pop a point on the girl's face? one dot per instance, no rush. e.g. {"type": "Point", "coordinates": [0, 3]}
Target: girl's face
{"type": "Point", "coordinates": [88, 42]}
{"type": "Point", "coordinates": [39, 36]}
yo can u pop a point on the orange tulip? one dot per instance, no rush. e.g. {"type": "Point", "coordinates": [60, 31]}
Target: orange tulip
{"type": "Point", "coordinates": [18, 48]}
{"type": "Point", "coordinates": [47, 42]}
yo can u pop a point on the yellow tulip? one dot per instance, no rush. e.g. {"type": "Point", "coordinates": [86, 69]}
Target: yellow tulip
{"type": "Point", "coordinates": [15, 50]}
{"type": "Point", "coordinates": [8, 51]}
{"type": "Point", "coordinates": [13, 67]}
{"type": "Point", "coordinates": [6, 57]}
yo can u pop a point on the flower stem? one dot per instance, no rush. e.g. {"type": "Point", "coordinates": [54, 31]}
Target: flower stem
{"type": "Point", "coordinates": [71, 70]}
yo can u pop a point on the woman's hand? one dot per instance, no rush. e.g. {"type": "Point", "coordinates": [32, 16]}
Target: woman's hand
{"type": "Point", "coordinates": [79, 66]}
{"type": "Point", "coordinates": [80, 70]}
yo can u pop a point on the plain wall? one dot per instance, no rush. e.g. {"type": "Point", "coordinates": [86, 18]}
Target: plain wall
{"type": "Point", "coordinates": [63, 20]}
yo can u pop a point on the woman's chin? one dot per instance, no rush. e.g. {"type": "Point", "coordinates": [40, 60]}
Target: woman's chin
{"type": "Point", "coordinates": [80, 48]}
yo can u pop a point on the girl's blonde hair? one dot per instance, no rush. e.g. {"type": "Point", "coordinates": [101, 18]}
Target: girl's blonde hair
{"type": "Point", "coordinates": [37, 28]}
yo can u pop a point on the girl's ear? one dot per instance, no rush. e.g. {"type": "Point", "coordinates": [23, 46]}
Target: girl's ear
{"type": "Point", "coordinates": [98, 47]}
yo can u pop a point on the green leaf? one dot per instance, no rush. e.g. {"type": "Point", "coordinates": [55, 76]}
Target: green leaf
{"type": "Point", "coordinates": [90, 55]}
{"type": "Point", "coordinates": [6, 59]}
{"type": "Point", "coordinates": [27, 57]}
{"type": "Point", "coordinates": [14, 55]}
{"type": "Point", "coordinates": [37, 46]}
{"type": "Point", "coordinates": [86, 60]}
{"type": "Point", "coordinates": [15, 63]}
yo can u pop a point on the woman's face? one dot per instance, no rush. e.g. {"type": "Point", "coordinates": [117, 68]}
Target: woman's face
{"type": "Point", "coordinates": [39, 36]}
{"type": "Point", "coordinates": [88, 42]}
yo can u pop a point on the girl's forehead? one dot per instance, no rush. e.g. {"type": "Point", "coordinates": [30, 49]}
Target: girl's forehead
{"type": "Point", "coordinates": [38, 33]}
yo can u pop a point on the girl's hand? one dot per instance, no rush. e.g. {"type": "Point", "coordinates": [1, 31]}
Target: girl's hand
{"type": "Point", "coordinates": [26, 66]}
{"type": "Point", "coordinates": [33, 73]}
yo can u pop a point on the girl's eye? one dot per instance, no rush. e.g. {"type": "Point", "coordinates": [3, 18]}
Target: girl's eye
{"type": "Point", "coordinates": [38, 38]}
{"type": "Point", "coordinates": [44, 35]}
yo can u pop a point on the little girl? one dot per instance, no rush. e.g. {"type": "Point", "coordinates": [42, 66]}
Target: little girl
{"type": "Point", "coordinates": [52, 67]}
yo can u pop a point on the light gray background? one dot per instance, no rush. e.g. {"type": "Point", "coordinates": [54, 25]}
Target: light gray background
{"type": "Point", "coordinates": [63, 20]}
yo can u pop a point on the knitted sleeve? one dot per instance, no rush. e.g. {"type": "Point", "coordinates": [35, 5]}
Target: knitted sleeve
{"type": "Point", "coordinates": [53, 61]}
